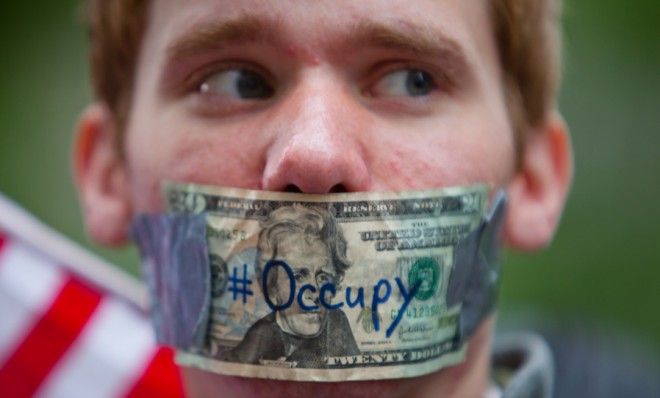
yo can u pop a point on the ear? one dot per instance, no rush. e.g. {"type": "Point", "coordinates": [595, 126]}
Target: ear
{"type": "Point", "coordinates": [101, 178]}
{"type": "Point", "coordinates": [538, 191]}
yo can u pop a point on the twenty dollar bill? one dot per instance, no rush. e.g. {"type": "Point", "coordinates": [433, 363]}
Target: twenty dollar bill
{"type": "Point", "coordinates": [330, 287]}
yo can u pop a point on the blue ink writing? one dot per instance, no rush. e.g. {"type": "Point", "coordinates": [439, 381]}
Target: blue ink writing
{"type": "Point", "coordinates": [407, 298]}
{"type": "Point", "coordinates": [301, 301]}
{"type": "Point", "coordinates": [240, 286]}
{"type": "Point", "coordinates": [329, 287]}
{"type": "Point", "coordinates": [292, 284]}
{"type": "Point", "coordinates": [378, 299]}
{"type": "Point", "coordinates": [358, 300]}
{"type": "Point", "coordinates": [382, 292]}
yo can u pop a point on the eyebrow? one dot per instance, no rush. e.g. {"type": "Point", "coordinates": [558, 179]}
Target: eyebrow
{"type": "Point", "coordinates": [218, 34]}
{"type": "Point", "coordinates": [418, 40]}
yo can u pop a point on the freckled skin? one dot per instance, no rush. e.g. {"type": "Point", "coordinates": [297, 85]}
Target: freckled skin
{"type": "Point", "coordinates": [320, 133]}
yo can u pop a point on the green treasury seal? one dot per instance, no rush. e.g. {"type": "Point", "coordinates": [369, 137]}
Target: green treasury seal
{"type": "Point", "coordinates": [425, 271]}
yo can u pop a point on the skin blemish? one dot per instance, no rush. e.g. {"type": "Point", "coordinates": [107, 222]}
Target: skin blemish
{"type": "Point", "coordinates": [305, 55]}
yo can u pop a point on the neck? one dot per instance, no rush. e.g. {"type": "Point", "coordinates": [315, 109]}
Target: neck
{"type": "Point", "coordinates": [469, 379]}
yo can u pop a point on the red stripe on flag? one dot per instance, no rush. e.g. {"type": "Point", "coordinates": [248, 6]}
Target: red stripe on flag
{"type": "Point", "coordinates": [3, 241]}
{"type": "Point", "coordinates": [48, 340]}
{"type": "Point", "coordinates": [160, 379]}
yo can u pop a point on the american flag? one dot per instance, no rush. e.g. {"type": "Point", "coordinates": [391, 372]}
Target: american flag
{"type": "Point", "coordinates": [72, 325]}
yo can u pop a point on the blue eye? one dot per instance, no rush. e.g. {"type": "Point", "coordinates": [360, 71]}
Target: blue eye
{"type": "Point", "coordinates": [405, 82]}
{"type": "Point", "coordinates": [237, 84]}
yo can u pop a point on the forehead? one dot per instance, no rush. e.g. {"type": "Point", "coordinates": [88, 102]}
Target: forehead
{"type": "Point", "coordinates": [310, 29]}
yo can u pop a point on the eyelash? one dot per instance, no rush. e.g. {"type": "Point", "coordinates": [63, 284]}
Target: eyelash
{"type": "Point", "coordinates": [194, 80]}
{"type": "Point", "coordinates": [210, 105]}
{"type": "Point", "coordinates": [440, 78]}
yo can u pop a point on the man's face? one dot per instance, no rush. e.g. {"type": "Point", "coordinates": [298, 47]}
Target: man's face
{"type": "Point", "coordinates": [381, 95]}
{"type": "Point", "coordinates": [322, 96]}
{"type": "Point", "coordinates": [310, 264]}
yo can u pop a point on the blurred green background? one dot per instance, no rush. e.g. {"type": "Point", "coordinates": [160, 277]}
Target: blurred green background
{"type": "Point", "coordinates": [605, 262]}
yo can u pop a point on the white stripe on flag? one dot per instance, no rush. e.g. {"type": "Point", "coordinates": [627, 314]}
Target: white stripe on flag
{"type": "Point", "coordinates": [29, 283]}
{"type": "Point", "coordinates": [111, 353]}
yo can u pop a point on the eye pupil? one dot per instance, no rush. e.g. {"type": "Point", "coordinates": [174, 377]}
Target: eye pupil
{"type": "Point", "coordinates": [252, 85]}
{"type": "Point", "coordinates": [419, 83]}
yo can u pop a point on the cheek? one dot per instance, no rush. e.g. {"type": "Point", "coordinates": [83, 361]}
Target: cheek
{"type": "Point", "coordinates": [443, 153]}
{"type": "Point", "coordinates": [210, 160]}
{"type": "Point", "coordinates": [197, 154]}
{"type": "Point", "coordinates": [283, 287]}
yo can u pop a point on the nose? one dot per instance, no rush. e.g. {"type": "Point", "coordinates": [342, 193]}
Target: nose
{"type": "Point", "coordinates": [317, 146]}
{"type": "Point", "coordinates": [310, 298]}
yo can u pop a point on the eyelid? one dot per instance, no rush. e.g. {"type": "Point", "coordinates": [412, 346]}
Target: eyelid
{"type": "Point", "coordinates": [196, 78]}
{"type": "Point", "coordinates": [441, 78]}
{"type": "Point", "coordinates": [325, 275]}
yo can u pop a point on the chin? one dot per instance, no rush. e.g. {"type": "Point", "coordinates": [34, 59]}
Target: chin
{"type": "Point", "coordinates": [204, 384]}
{"type": "Point", "coordinates": [468, 379]}
{"type": "Point", "coordinates": [307, 325]}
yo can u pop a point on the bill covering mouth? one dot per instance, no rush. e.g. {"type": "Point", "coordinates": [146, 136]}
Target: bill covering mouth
{"type": "Point", "coordinates": [425, 263]}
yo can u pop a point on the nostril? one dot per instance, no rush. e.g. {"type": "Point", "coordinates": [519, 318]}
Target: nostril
{"type": "Point", "coordinates": [338, 189]}
{"type": "Point", "coordinates": [292, 188]}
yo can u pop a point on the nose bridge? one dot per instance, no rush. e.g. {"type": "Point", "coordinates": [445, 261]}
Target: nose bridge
{"type": "Point", "coordinates": [317, 149]}
{"type": "Point", "coordinates": [316, 124]}
{"type": "Point", "coordinates": [315, 108]}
